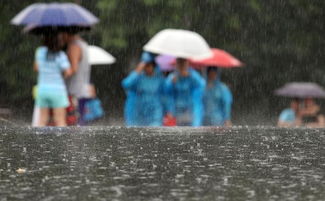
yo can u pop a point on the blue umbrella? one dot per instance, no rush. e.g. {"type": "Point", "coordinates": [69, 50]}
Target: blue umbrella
{"type": "Point", "coordinates": [55, 14]}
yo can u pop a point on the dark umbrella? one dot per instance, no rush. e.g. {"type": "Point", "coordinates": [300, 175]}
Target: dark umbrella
{"type": "Point", "coordinates": [33, 29]}
{"type": "Point", "coordinates": [55, 14]}
{"type": "Point", "coordinates": [301, 90]}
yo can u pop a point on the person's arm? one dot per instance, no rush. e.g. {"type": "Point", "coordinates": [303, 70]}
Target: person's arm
{"type": "Point", "coordinates": [36, 58]}
{"type": "Point", "coordinates": [130, 81]}
{"type": "Point", "coordinates": [170, 82]}
{"type": "Point", "coordinates": [74, 54]}
{"type": "Point", "coordinates": [65, 65]}
{"type": "Point", "coordinates": [197, 95]}
{"type": "Point", "coordinates": [35, 67]}
{"type": "Point", "coordinates": [283, 124]}
{"type": "Point", "coordinates": [67, 73]}
{"type": "Point", "coordinates": [140, 67]}
{"type": "Point", "coordinates": [321, 121]}
{"type": "Point", "coordinates": [228, 99]}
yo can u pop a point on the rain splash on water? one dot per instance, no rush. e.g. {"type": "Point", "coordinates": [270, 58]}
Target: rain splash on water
{"type": "Point", "coordinates": [117, 163]}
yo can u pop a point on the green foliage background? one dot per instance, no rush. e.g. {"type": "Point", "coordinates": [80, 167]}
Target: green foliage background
{"type": "Point", "coordinates": [279, 41]}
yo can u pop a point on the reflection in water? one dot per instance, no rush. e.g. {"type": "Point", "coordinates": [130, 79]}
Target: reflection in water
{"type": "Point", "coordinates": [116, 163]}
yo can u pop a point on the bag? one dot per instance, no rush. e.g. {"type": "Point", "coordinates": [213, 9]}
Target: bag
{"type": "Point", "coordinates": [93, 110]}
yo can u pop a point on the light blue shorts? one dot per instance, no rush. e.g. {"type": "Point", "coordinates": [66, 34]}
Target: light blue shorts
{"type": "Point", "coordinates": [52, 99]}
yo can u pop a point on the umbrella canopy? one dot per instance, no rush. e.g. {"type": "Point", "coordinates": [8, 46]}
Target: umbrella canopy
{"type": "Point", "coordinates": [34, 29]}
{"type": "Point", "coordinates": [55, 14]}
{"type": "Point", "coordinates": [301, 90]}
{"type": "Point", "coordinates": [179, 43]}
{"type": "Point", "coordinates": [165, 62]}
{"type": "Point", "coordinates": [219, 58]}
{"type": "Point", "coordinates": [98, 56]}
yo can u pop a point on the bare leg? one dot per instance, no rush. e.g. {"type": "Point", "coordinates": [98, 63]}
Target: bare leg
{"type": "Point", "coordinates": [44, 117]}
{"type": "Point", "coordinates": [59, 116]}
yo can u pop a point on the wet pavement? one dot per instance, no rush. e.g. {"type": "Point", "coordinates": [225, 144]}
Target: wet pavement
{"type": "Point", "coordinates": [116, 163]}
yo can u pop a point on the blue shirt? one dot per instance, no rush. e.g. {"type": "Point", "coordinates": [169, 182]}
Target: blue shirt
{"type": "Point", "coordinates": [287, 116]}
{"type": "Point", "coordinates": [50, 68]}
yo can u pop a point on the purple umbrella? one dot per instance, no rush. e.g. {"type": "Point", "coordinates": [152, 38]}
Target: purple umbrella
{"type": "Point", "coordinates": [165, 62]}
{"type": "Point", "coordinates": [55, 14]}
{"type": "Point", "coordinates": [301, 90]}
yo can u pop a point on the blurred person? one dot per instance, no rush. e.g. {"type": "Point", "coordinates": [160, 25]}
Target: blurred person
{"type": "Point", "coordinates": [129, 105]}
{"type": "Point", "coordinates": [185, 87]}
{"type": "Point", "coordinates": [290, 117]}
{"type": "Point", "coordinates": [50, 62]}
{"type": "Point", "coordinates": [77, 84]}
{"type": "Point", "coordinates": [147, 84]}
{"type": "Point", "coordinates": [217, 101]}
{"type": "Point", "coordinates": [310, 115]}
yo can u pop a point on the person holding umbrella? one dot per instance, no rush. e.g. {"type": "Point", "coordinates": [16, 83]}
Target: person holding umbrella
{"type": "Point", "coordinates": [66, 16]}
{"type": "Point", "coordinates": [306, 113]}
{"type": "Point", "coordinates": [185, 87]}
{"type": "Point", "coordinates": [147, 84]}
{"type": "Point", "coordinates": [310, 114]}
{"type": "Point", "coordinates": [217, 98]}
{"type": "Point", "coordinates": [50, 62]}
{"type": "Point", "coordinates": [290, 117]}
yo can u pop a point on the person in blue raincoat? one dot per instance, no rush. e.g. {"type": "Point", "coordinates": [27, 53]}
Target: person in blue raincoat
{"type": "Point", "coordinates": [147, 85]}
{"type": "Point", "coordinates": [217, 101]}
{"type": "Point", "coordinates": [289, 116]}
{"type": "Point", "coordinates": [185, 87]}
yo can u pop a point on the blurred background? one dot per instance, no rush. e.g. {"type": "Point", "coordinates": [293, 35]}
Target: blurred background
{"type": "Point", "coordinates": [279, 41]}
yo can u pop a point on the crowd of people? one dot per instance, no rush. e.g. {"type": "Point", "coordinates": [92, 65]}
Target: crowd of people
{"type": "Point", "coordinates": [182, 96]}
{"type": "Point", "coordinates": [157, 95]}
{"type": "Point", "coordinates": [179, 97]}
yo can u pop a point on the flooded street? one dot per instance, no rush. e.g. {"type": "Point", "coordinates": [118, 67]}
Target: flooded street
{"type": "Point", "coordinates": [117, 163]}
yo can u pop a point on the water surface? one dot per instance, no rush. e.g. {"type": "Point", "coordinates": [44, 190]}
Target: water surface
{"type": "Point", "coordinates": [117, 163]}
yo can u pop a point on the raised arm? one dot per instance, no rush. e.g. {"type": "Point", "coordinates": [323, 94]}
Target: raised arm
{"type": "Point", "coordinates": [130, 81]}
{"type": "Point", "coordinates": [35, 67]}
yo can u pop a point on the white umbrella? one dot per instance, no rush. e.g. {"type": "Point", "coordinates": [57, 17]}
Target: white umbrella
{"type": "Point", "coordinates": [98, 56]}
{"type": "Point", "coordinates": [179, 43]}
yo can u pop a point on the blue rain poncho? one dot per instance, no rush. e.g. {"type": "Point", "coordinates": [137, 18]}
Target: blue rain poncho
{"type": "Point", "coordinates": [217, 101]}
{"type": "Point", "coordinates": [129, 108]}
{"type": "Point", "coordinates": [185, 98]}
{"type": "Point", "coordinates": [147, 110]}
